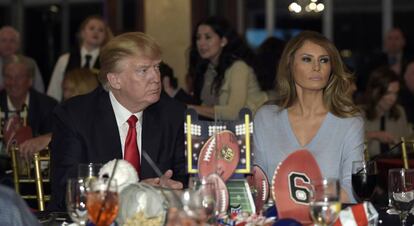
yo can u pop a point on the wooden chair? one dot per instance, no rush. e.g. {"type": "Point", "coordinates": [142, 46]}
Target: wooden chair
{"type": "Point", "coordinates": [22, 174]}
{"type": "Point", "coordinates": [405, 144]}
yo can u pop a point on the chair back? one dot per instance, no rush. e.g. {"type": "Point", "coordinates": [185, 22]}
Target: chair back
{"type": "Point", "coordinates": [23, 175]}
{"type": "Point", "coordinates": [405, 144]}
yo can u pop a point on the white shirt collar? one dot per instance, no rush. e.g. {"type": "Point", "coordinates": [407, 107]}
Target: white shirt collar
{"type": "Point", "coordinates": [94, 56]}
{"type": "Point", "coordinates": [11, 107]}
{"type": "Point", "coordinates": [121, 113]}
{"type": "Point", "coordinates": [93, 53]}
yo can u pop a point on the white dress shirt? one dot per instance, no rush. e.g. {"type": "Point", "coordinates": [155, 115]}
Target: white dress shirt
{"type": "Point", "coordinates": [122, 115]}
{"type": "Point", "coordinates": [55, 86]}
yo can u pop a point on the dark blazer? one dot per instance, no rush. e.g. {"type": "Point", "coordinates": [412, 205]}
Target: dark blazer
{"type": "Point", "coordinates": [40, 111]}
{"type": "Point", "coordinates": [85, 130]}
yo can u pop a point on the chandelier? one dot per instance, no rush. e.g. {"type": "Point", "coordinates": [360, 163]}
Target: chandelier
{"type": "Point", "coordinates": [306, 6]}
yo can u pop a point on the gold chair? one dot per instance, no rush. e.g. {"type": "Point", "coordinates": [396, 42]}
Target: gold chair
{"type": "Point", "coordinates": [405, 144]}
{"type": "Point", "coordinates": [22, 174]}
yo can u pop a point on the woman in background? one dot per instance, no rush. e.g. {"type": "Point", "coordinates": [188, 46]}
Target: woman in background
{"type": "Point", "coordinates": [313, 111]}
{"type": "Point", "coordinates": [93, 34]}
{"type": "Point", "coordinates": [220, 72]}
{"type": "Point", "coordinates": [385, 120]}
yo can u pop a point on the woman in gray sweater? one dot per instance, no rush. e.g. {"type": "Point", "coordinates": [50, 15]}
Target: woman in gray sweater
{"type": "Point", "coordinates": [313, 111]}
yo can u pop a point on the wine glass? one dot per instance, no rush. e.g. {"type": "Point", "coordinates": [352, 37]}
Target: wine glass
{"type": "Point", "coordinates": [364, 179]}
{"type": "Point", "coordinates": [199, 202]}
{"type": "Point", "coordinates": [103, 201]}
{"type": "Point", "coordinates": [89, 170]}
{"type": "Point", "coordinates": [324, 203]}
{"type": "Point", "coordinates": [76, 196]}
{"type": "Point", "coordinates": [401, 185]}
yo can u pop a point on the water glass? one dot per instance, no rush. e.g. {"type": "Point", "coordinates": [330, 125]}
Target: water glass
{"type": "Point", "coordinates": [89, 170]}
{"type": "Point", "coordinates": [76, 196]}
{"type": "Point", "coordinates": [325, 202]}
{"type": "Point", "coordinates": [401, 191]}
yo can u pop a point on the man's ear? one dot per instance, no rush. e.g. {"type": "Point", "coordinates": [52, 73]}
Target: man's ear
{"type": "Point", "coordinates": [113, 80]}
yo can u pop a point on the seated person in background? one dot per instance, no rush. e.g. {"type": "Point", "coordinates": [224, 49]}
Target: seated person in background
{"type": "Point", "coordinates": [14, 210]}
{"type": "Point", "coordinates": [125, 117]}
{"type": "Point", "coordinates": [170, 85]}
{"type": "Point", "coordinates": [385, 120]}
{"type": "Point", "coordinates": [314, 111]}
{"type": "Point", "coordinates": [9, 46]}
{"type": "Point", "coordinates": [406, 97]}
{"type": "Point", "coordinates": [221, 73]}
{"type": "Point", "coordinates": [18, 74]}
{"type": "Point", "coordinates": [268, 56]}
{"type": "Point", "coordinates": [78, 81]}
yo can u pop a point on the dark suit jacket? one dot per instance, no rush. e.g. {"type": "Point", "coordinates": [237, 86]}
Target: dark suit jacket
{"type": "Point", "coordinates": [39, 114]}
{"type": "Point", "coordinates": [85, 130]}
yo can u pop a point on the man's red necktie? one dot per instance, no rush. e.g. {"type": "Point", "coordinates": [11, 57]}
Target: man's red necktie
{"type": "Point", "coordinates": [131, 147]}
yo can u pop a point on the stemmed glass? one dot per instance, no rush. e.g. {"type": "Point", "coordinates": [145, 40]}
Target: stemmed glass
{"type": "Point", "coordinates": [88, 171]}
{"type": "Point", "coordinates": [401, 191]}
{"type": "Point", "coordinates": [324, 203]}
{"type": "Point", "coordinates": [364, 179]}
{"type": "Point", "coordinates": [199, 202]}
{"type": "Point", "coordinates": [76, 195]}
{"type": "Point", "coordinates": [103, 201]}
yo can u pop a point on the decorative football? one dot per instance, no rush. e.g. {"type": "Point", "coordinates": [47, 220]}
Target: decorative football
{"type": "Point", "coordinates": [259, 185]}
{"type": "Point", "coordinates": [222, 194]}
{"type": "Point", "coordinates": [291, 185]}
{"type": "Point", "coordinates": [220, 154]}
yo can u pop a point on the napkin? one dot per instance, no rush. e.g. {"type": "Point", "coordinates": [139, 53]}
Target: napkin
{"type": "Point", "coordinates": [358, 215]}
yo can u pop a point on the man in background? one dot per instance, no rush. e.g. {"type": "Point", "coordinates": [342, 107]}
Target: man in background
{"type": "Point", "coordinates": [9, 46]}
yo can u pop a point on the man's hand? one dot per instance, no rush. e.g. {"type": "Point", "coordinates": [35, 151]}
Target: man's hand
{"type": "Point", "coordinates": [165, 181]}
{"type": "Point", "coordinates": [31, 146]}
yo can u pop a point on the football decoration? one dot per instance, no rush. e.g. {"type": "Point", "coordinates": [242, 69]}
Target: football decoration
{"type": "Point", "coordinates": [291, 185]}
{"type": "Point", "coordinates": [220, 154]}
{"type": "Point", "coordinates": [259, 184]}
{"type": "Point", "coordinates": [222, 194]}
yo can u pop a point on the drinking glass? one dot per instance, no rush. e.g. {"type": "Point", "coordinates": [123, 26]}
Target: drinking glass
{"type": "Point", "coordinates": [89, 170]}
{"type": "Point", "coordinates": [324, 203]}
{"type": "Point", "coordinates": [364, 179]}
{"type": "Point", "coordinates": [401, 185]}
{"type": "Point", "coordinates": [103, 201]}
{"type": "Point", "coordinates": [199, 202]}
{"type": "Point", "coordinates": [76, 196]}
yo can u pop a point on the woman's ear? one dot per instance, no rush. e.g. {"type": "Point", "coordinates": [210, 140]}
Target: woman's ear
{"type": "Point", "coordinates": [223, 42]}
{"type": "Point", "coordinates": [113, 80]}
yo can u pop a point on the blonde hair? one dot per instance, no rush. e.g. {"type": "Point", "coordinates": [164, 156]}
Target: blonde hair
{"type": "Point", "coordinates": [336, 95]}
{"type": "Point", "coordinates": [82, 80]}
{"type": "Point", "coordinates": [108, 32]}
{"type": "Point", "coordinates": [125, 45]}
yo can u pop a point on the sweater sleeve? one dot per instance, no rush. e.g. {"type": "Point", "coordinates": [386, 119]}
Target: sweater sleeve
{"type": "Point", "coordinates": [352, 151]}
{"type": "Point", "coordinates": [55, 86]}
{"type": "Point", "coordinates": [237, 77]}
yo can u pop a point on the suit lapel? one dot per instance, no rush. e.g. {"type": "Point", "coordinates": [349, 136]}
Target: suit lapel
{"type": "Point", "coordinates": [106, 130]}
{"type": "Point", "coordinates": [151, 136]}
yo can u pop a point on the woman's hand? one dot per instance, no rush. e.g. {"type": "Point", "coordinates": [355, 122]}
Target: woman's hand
{"type": "Point", "coordinates": [382, 136]}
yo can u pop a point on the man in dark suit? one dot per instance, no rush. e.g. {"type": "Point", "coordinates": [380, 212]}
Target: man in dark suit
{"type": "Point", "coordinates": [19, 98]}
{"type": "Point", "coordinates": [96, 127]}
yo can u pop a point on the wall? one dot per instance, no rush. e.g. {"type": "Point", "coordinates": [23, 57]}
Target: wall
{"type": "Point", "coordinates": [169, 22]}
